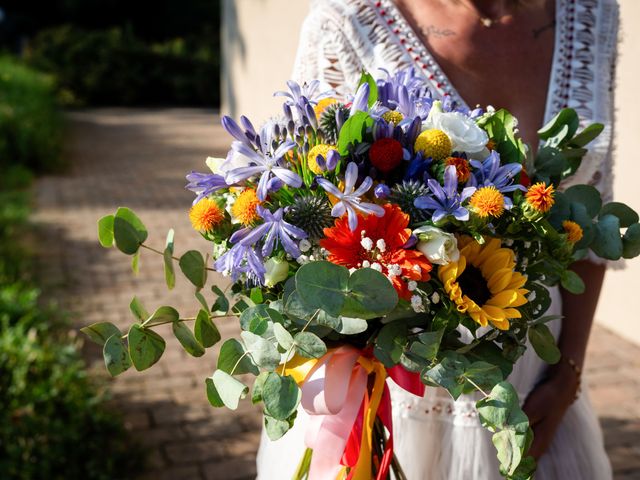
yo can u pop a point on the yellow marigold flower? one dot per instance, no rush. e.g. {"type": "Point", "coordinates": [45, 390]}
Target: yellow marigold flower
{"type": "Point", "coordinates": [392, 116]}
{"type": "Point", "coordinates": [573, 230]}
{"type": "Point", "coordinates": [540, 197]}
{"type": "Point", "coordinates": [320, 149]}
{"type": "Point", "coordinates": [322, 105]}
{"type": "Point", "coordinates": [433, 143]}
{"type": "Point", "coordinates": [244, 208]}
{"type": "Point", "coordinates": [487, 201]}
{"type": "Point", "coordinates": [462, 167]}
{"type": "Point", "coordinates": [206, 215]}
{"type": "Point", "coordinates": [483, 282]}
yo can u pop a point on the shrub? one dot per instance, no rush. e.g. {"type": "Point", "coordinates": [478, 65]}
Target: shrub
{"type": "Point", "coordinates": [30, 121]}
{"type": "Point", "coordinates": [114, 67]}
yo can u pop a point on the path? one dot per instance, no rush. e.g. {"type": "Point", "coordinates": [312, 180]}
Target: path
{"type": "Point", "coordinates": [138, 158]}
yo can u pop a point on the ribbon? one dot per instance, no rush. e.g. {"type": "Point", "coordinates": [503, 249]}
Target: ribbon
{"type": "Point", "coordinates": [342, 409]}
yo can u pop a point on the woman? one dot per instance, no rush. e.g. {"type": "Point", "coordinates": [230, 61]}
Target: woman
{"type": "Point", "coordinates": [532, 57]}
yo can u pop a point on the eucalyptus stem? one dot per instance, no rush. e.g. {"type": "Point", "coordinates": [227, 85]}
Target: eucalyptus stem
{"type": "Point", "coordinates": [286, 358]}
{"type": "Point", "coordinates": [238, 362]}
{"type": "Point", "coordinates": [476, 386]}
{"type": "Point", "coordinates": [154, 250]}
{"type": "Point", "coordinates": [302, 472]}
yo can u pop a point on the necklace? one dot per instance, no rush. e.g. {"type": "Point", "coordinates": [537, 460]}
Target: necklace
{"type": "Point", "coordinates": [485, 20]}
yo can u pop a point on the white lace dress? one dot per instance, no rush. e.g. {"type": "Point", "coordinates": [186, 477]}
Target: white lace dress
{"type": "Point", "coordinates": [437, 438]}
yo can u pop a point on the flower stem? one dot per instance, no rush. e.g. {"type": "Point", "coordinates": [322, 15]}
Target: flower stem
{"type": "Point", "coordinates": [154, 250]}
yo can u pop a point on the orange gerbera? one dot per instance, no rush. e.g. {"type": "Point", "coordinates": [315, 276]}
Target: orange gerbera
{"type": "Point", "coordinates": [378, 242]}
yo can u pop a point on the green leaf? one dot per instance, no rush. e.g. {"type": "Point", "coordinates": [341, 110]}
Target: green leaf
{"type": "Point", "coordinates": [390, 343]}
{"type": "Point", "coordinates": [101, 331]}
{"type": "Point", "coordinates": [116, 356]}
{"type": "Point", "coordinates": [164, 314]}
{"type": "Point", "coordinates": [373, 87]}
{"type": "Point", "coordinates": [371, 295]}
{"type": "Point", "coordinates": [510, 446]}
{"type": "Point", "coordinates": [229, 389]}
{"type": "Point", "coordinates": [145, 347]}
{"type": "Point", "coordinates": [449, 373]}
{"type": "Point", "coordinates": [241, 305]}
{"type": "Point", "coordinates": [138, 309]}
{"type": "Point", "coordinates": [187, 339]}
{"type": "Point", "coordinates": [587, 195]}
{"type": "Point", "coordinates": [212, 394]}
{"type": "Point", "coordinates": [544, 343]}
{"type": "Point", "coordinates": [201, 300]}
{"type": "Point", "coordinates": [431, 342]}
{"type": "Point", "coordinates": [264, 353]}
{"type": "Point", "coordinates": [323, 285]}
{"type": "Point", "coordinates": [230, 357]}
{"type": "Point", "coordinates": [277, 428]}
{"type": "Point", "coordinates": [193, 267]}
{"type": "Point", "coordinates": [484, 375]}
{"type": "Point", "coordinates": [221, 304]}
{"type": "Point", "coordinates": [256, 393]}
{"type": "Point", "coordinates": [205, 330]}
{"type": "Point", "coordinates": [572, 282]}
{"type": "Point", "coordinates": [566, 119]}
{"type": "Point", "coordinates": [167, 255]}
{"type": "Point", "coordinates": [309, 345]}
{"type": "Point", "coordinates": [256, 295]}
{"type": "Point", "coordinates": [501, 410]}
{"type": "Point", "coordinates": [625, 214]}
{"type": "Point", "coordinates": [353, 131]}
{"type": "Point", "coordinates": [549, 162]}
{"type": "Point", "coordinates": [587, 135]}
{"type": "Point", "coordinates": [105, 231]}
{"type": "Point", "coordinates": [257, 319]}
{"type": "Point", "coordinates": [284, 338]}
{"type": "Point", "coordinates": [280, 395]}
{"type": "Point", "coordinates": [128, 231]}
{"type": "Point", "coordinates": [135, 263]}
{"type": "Point", "coordinates": [501, 129]}
{"type": "Point", "coordinates": [607, 242]}
{"type": "Point", "coordinates": [351, 326]}
{"type": "Point", "coordinates": [631, 241]}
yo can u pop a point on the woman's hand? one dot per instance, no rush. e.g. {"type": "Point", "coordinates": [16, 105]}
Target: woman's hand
{"type": "Point", "coordinates": [547, 403]}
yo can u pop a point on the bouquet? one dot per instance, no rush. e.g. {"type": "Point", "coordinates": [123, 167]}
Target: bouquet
{"type": "Point", "coordinates": [384, 235]}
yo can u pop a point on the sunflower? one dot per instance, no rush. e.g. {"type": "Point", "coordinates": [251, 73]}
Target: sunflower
{"type": "Point", "coordinates": [483, 283]}
{"type": "Point", "coordinates": [378, 243]}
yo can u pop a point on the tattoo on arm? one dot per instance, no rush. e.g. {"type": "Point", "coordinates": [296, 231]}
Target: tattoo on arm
{"type": "Point", "coordinates": [539, 31]}
{"type": "Point", "coordinates": [432, 30]}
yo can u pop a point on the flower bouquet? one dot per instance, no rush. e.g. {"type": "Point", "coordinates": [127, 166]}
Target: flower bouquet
{"type": "Point", "coordinates": [384, 235]}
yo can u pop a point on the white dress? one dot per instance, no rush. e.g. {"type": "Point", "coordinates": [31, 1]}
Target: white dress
{"type": "Point", "coordinates": [437, 438]}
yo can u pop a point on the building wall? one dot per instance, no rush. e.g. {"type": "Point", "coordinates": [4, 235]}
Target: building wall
{"type": "Point", "coordinates": [260, 38]}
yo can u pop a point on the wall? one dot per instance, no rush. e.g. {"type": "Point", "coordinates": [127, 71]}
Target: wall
{"type": "Point", "coordinates": [259, 58]}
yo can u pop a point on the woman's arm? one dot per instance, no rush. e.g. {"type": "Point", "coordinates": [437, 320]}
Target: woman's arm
{"type": "Point", "coordinates": [548, 402]}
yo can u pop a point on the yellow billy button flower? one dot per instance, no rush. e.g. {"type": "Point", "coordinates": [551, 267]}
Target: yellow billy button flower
{"type": "Point", "coordinates": [483, 282]}
{"type": "Point", "coordinates": [320, 149]}
{"type": "Point", "coordinates": [573, 230]}
{"type": "Point", "coordinates": [433, 143]}
{"type": "Point", "coordinates": [244, 208]}
{"type": "Point", "coordinates": [487, 201]}
{"type": "Point", "coordinates": [322, 105]}
{"type": "Point", "coordinates": [540, 197]}
{"type": "Point", "coordinates": [206, 215]}
{"type": "Point", "coordinates": [392, 116]}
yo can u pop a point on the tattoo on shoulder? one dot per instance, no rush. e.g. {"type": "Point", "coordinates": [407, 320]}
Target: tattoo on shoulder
{"type": "Point", "coordinates": [432, 30]}
{"type": "Point", "coordinates": [539, 31]}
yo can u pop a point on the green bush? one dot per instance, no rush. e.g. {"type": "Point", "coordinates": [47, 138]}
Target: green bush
{"type": "Point", "coordinates": [114, 67]}
{"type": "Point", "coordinates": [53, 420]}
{"type": "Point", "coordinates": [30, 121]}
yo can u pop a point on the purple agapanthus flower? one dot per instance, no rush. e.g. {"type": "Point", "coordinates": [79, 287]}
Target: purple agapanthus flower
{"type": "Point", "coordinates": [242, 259]}
{"type": "Point", "coordinates": [349, 199]}
{"type": "Point", "coordinates": [446, 201]}
{"type": "Point", "coordinates": [489, 172]}
{"type": "Point", "coordinates": [204, 184]}
{"type": "Point", "coordinates": [361, 100]}
{"type": "Point", "coordinates": [265, 165]}
{"type": "Point", "coordinates": [298, 93]}
{"type": "Point", "coordinates": [273, 229]}
{"type": "Point", "coordinates": [409, 78]}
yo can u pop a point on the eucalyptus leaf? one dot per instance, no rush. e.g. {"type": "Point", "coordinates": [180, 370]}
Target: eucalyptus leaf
{"type": "Point", "coordinates": [101, 331]}
{"type": "Point", "coordinates": [257, 319]}
{"type": "Point", "coordinates": [483, 375]}
{"type": "Point", "coordinates": [544, 343]}
{"type": "Point", "coordinates": [256, 392]}
{"type": "Point", "coordinates": [352, 326]}
{"type": "Point", "coordinates": [501, 410]}
{"type": "Point", "coordinates": [167, 255]}
{"type": "Point", "coordinates": [229, 389]}
{"type": "Point", "coordinates": [323, 285]}
{"type": "Point", "coordinates": [625, 214]}
{"type": "Point", "coordinates": [212, 394]}
{"type": "Point", "coordinates": [281, 396]}
{"type": "Point", "coordinates": [449, 373]}
{"type": "Point", "coordinates": [264, 352]}
{"type": "Point", "coordinates": [431, 342]}
{"type": "Point", "coordinates": [232, 355]}
{"type": "Point", "coordinates": [128, 231]}
{"type": "Point", "coordinates": [608, 242]}
{"type": "Point", "coordinates": [371, 295]}
{"type": "Point", "coordinates": [631, 241]}
{"type": "Point", "coordinates": [205, 330]}
{"type": "Point", "coordinates": [145, 347]}
{"type": "Point", "coordinates": [116, 356]}
{"type": "Point", "coordinates": [309, 345]}
{"type": "Point", "coordinates": [276, 428]}
{"type": "Point", "coordinates": [138, 309]}
{"type": "Point", "coordinates": [105, 231]}
{"type": "Point", "coordinates": [572, 282]}
{"type": "Point", "coordinates": [222, 303]}
{"type": "Point", "coordinates": [193, 267]}
{"type": "Point", "coordinates": [164, 314]}
{"type": "Point", "coordinates": [587, 195]}
{"type": "Point", "coordinates": [187, 339]}
{"type": "Point", "coordinates": [284, 338]}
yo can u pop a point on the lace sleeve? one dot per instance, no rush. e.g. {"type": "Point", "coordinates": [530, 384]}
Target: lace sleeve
{"type": "Point", "coordinates": [324, 52]}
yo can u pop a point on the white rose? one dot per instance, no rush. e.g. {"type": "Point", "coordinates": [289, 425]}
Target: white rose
{"type": "Point", "coordinates": [465, 135]}
{"type": "Point", "coordinates": [277, 270]}
{"type": "Point", "coordinates": [438, 246]}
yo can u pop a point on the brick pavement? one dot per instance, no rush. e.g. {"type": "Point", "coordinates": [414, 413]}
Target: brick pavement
{"type": "Point", "coordinates": [138, 158]}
